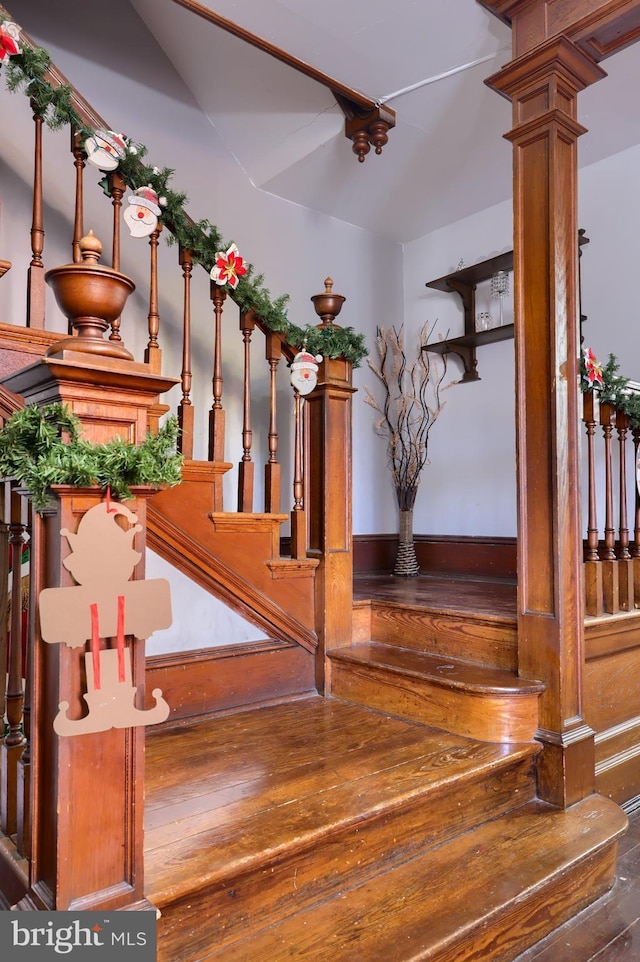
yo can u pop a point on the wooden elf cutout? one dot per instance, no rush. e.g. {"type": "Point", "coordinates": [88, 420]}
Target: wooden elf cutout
{"type": "Point", "coordinates": [105, 604]}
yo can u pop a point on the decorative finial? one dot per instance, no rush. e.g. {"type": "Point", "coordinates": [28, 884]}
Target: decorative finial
{"type": "Point", "coordinates": [90, 247]}
{"type": "Point", "coordinates": [328, 305]}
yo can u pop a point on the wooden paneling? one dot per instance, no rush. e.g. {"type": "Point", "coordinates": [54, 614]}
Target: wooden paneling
{"type": "Point", "coordinates": [197, 683]}
{"type": "Point", "coordinates": [438, 554]}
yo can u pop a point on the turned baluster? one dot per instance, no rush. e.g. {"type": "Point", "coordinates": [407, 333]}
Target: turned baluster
{"type": "Point", "coordinates": [185, 408]}
{"type": "Point", "coordinates": [246, 466]}
{"type": "Point", "coordinates": [273, 353]}
{"type": "Point", "coordinates": [79, 162]}
{"type": "Point", "coordinates": [14, 739]}
{"type": "Point", "coordinates": [4, 597]}
{"type": "Point", "coordinates": [117, 188]}
{"type": "Point", "coordinates": [217, 414]}
{"type": "Point", "coordinates": [23, 828]}
{"type": "Point", "coordinates": [298, 516]}
{"type": "Point", "coordinates": [606, 420]}
{"type": "Point", "coordinates": [35, 275]}
{"type": "Point", "coordinates": [153, 354]}
{"type": "Point", "coordinates": [622, 428]}
{"type": "Point", "coordinates": [589, 404]}
{"type": "Point", "coordinates": [635, 551]}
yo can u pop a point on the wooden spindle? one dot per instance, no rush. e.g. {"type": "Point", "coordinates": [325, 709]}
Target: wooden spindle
{"type": "Point", "coordinates": [246, 466]}
{"type": "Point", "coordinates": [23, 828]}
{"type": "Point", "coordinates": [606, 420]}
{"type": "Point", "coordinates": [35, 278]}
{"type": "Point", "coordinates": [610, 567]}
{"type": "Point", "coordinates": [273, 353]}
{"type": "Point", "coordinates": [153, 354]}
{"type": "Point", "coordinates": [117, 188]}
{"type": "Point", "coordinates": [4, 596]}
{"type": "Point", "coordinates": [625, 565]}
{"type": "Point", "coordinates": [217, 414]}
{"type": "Point", "coordinates": [185, 408]}
{"type": "Point", "coordinates": [589, 404]}
{"type": "Point", "coordinates": [635, 551]}
{"type": "Point", "coordinates": [79, 162]}
{"type": "Point", "coordinates": [298, 517]}
{"type": "Point", "coordinates": [622, 428]}
{"type": "Point", "coordinates": [13, 743]}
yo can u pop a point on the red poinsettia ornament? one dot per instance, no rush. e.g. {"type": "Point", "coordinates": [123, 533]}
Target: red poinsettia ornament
{"type": "Point", "coordinates": [228, 268]}
{"type": "Point", "coordinates": [9, 36]}
{"type": "Point", "coordinates": [592, 368]}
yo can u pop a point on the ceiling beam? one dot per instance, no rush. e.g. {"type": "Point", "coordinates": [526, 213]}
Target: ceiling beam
{"type": "Point", "coordinates": [367, 122]}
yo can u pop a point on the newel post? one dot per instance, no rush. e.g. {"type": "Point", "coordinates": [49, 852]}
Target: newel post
{"type": "Point", "coordinates": [87, 787]}
{"type": "Point", "coordinates": [329, 483]}
{"type": "Point", "coordinates": [543, 85]}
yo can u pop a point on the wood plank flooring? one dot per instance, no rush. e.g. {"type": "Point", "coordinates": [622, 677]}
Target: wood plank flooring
{"type": "Point", "coordinates": [475, 594]}
{"type": "Point", "coordinates": [215, 788]}
{"type": "Point", "coordinates": [608, 931]}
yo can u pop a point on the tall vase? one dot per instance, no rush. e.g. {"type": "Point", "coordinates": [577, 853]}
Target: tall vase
{"type": "Point", "coordinates": [406, 565]}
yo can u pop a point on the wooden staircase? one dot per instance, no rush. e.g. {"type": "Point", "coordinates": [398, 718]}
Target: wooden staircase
{"type": "Point", "coordinates": [432, 650]}
{"type": "Point", "coordinates": [320, 829]}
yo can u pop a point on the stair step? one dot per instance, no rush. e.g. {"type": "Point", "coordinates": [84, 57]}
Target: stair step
{"type": "Point", "coordinates": [257, 816]}
{"type": "Point", "coordinates": [486, 895]}
{"type": "Point", "coordinates": [490, 704]}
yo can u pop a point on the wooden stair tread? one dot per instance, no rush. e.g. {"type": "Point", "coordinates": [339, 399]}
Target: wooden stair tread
{"type": "Point", "coordinates": [252, 791]}
{"type": "Point", "coordinates": [486, 877]}
{"type": "Point", "coordinates": [440, 670]}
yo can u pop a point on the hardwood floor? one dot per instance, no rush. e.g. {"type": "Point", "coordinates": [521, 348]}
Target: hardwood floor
{"type": "Point", "coordinates": [475, 594]}
{"type": "Point", "coordinates": [609, 931]}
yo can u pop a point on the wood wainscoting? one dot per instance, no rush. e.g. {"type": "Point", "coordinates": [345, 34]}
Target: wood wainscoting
{"type": "Point", "coordinates": [439, 554]}
{"type": "Point", "coordinates": [612, 704]}
{"type": "Point", "coordinates": [222, 679]}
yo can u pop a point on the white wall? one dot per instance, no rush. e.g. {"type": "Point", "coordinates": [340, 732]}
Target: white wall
{"type": "Point", "coordinates": [469, 487]}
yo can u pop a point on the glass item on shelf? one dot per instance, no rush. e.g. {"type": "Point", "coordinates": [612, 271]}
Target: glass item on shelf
{"type": "Point", "coordinates": [500, 288]}
{"type": "Point", "coordinates": [484, 321]}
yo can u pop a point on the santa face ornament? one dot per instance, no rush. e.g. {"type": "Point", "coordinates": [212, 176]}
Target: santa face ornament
{"type": "Point", "coordinates": [105, 149]}
{"type": "Point", "coordinates": [141, 215]}
{"type": "Point", "coordinates": [304, 372]}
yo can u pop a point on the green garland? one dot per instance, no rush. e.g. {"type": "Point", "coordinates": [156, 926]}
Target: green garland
{"type": "Point", "coordinates": [614, 389]}
{"type": "Point", "coordinates": [27, 72]}
{"type": "Point", "coordinates": [42, 446]}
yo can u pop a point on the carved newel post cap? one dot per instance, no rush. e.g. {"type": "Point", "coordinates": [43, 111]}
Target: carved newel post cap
{"type": "Point", "coordinates": [328, 305]}
{"type": "Point", "coordinates": [90, 248]}
{"type": "Point", "coordinates": [91, 296]}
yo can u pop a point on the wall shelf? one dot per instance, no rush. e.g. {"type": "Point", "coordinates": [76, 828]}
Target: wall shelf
{"type": "Point", "coordinates": [463, 283]}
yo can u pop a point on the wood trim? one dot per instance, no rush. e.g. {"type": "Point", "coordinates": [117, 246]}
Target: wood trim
{"type": "Point", "coordinates": [221, 679]}
{"type": "Point", "coordinates": [27, 340]}
{"type": "Point", "coordinates": [197, 563]}
{"type": "Point", "coordinates": [441, 554]}
{"type": "Point", "coordinates": [612, 633]}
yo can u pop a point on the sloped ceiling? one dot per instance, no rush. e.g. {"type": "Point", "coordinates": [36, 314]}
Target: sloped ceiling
{"type": "Point", "coordinates": [427, 59]}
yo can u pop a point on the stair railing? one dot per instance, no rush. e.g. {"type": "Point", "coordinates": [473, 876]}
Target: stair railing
{"type": "Point", "coordinates": [275, 346]}
{"type": "Point", "coordinates": [612, 556]}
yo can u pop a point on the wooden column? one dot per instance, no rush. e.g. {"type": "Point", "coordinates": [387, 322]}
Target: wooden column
{"type": "Point", "coordinates": [328, 469]}
{"type": "Point", "coordinates": [543, 85]}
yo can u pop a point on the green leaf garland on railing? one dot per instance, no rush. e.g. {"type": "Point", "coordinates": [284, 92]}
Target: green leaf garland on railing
{"type": "Point", "coordinates": [612, 388]}
{"type": "Point", "coordinates": [26, 72]}
{"type": "Point", "coordinates": [42, 446]}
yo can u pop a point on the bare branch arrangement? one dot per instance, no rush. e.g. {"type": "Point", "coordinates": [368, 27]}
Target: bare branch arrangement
{"type": "Point", "coordinates": [412, 403]}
